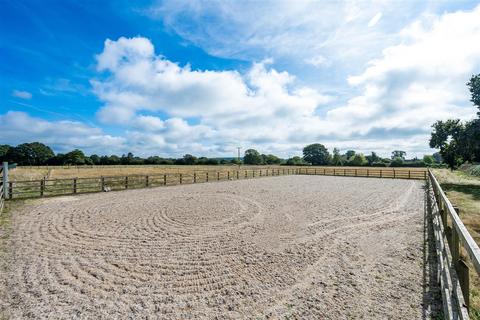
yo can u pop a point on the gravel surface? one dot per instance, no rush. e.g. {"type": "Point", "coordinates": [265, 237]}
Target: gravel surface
{"type": "Point", "coordinates": [295, 247]}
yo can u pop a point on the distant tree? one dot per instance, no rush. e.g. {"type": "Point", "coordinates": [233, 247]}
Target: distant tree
{"type": "Point", "coordinates": [428, 160]}
{"type": "Point", "coordinates": [337, 159]}
{"type": "Point", "coordinates": [95, 159]}
{"type": "Point", "coordinates": [398, 154]}
{"type": "Point", "coordinates": [75, 157]}
{"type": "Point", "coordinates": [349, 154]}
{"type": "Point", "coordinates": [295, 161]}
{"type": "Point", "coordinates": [358, 160]}
{"type": "Point", "coordinates": [34, 153]}
{"type": "Point", "coordinates": [252, 157]}
{"type": "Point", "coordinates": [316, 154]}
{"type": "Point", "coordinates": [373, 158]}
{"type": "Point", "coordinates": [397, 162]}
{"type": "Point", "coordinates": [188, 159]}
{"type": "Point", "coordinates": [271, 159]}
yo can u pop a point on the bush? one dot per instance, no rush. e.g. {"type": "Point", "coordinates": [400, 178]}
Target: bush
{"type": "Point", "coordinates": [379, 164]}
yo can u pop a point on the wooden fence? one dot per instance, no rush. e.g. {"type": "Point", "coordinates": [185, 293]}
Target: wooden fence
{"type": "Point", "coordinates": [2, 190]}
{"type": "Point", "coordinates": [451, 239]}
{"type": "Point", "coordinates": [53, 187]}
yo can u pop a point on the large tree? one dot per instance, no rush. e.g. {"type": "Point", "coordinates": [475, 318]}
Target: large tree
{"type": "Point", "coordinates": [34, 153]}
{"type": "Point", "coordinates": [316, 154]}
{"type": "Point", "coordinates": [252, 156]}
{"type": "Point", "coordinates": [474, 88]}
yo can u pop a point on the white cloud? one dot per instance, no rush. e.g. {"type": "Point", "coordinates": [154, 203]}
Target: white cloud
{"type": "Point", "coordinates": [374, 20]}
{"type": "Point", "coordinates": [22, 94]}
{"type": "Point", "coordinates": [19, 127]}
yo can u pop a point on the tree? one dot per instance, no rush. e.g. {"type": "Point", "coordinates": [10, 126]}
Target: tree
{"type": "Point", "coordinates": [396, 162]}
{"type": "Point", "coordinates": [188, 159]}
{"type": "Point", "coordinates": [295, 161]}
{"type": "Point", "coordinates": [34, 153]}
{"type": "Point", "coordinates": [252, 157]}
{"type": "Point", "coordinates": [447, 136]}
{"type": "Point", "coordinates": [271, 159]}
{"type": "Point", "coordinates": [373, 158]}
{"type": "Point", "coordinates": [316, 154]}
{"type": "Point", "coordinates": [428, 160]}
{"type": "Point", "coordinates": [398, 154]}
{"type": "Point", "coordinates": [337, 158]}
{"type": "Point", "coordinates": [349, 154]}
{"type": "Point", "coordinates": [474, 88]}
{"type": "Point", "coordinates": [358, 160]}
{"type": "Point", "coordinates": [3, 152]}
{"type": "Point", "coordinates": [95, 159]}
{"type": "Point", "coordinates": [75, 157]}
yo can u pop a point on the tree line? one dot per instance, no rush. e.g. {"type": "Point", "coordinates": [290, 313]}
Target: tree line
{"type": "Point", "coordinates": [37, 154]}
{"type": "Point", "coordinates": [458, 141]}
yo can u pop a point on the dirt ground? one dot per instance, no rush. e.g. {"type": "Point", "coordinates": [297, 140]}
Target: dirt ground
{"type": "Point", "coordinates": [288, 247]}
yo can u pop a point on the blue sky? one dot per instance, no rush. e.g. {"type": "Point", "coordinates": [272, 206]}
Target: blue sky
{"type": "Point", "coordinates": [176, 77]}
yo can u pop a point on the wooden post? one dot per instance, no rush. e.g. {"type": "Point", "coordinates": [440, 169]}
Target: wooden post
{"type": "Point", "coordinates": [103, 183]}
{"type": "Point", "coordinates": [74, 185]}
{"type": "Point", "coordinates": [218, 176]}
{"type": "Point", "coordinates": [464, 279]}
{"type": "Point", "coordinates": [425, 175]}
{"type": "Point", "coordinates": [146, 181]}
{"type": "Point", "coordinates": [228, 175]}
{"type": "Point", "coordinates": [164, 179]}
{"type": "Point", "coordinates": [194, 177]}
{"type": "Point", "coordinates": [126, 182]}
{"type": "Point", "coordinates": [5, 181]}
{"type": "Point", "coordinates": [333, 171]}
{"type": "Point", "coordinates": [246, 174]}
{"type": "Point", "coordinates": [10, 189]}
{"type": "Point", "coordinates": [253, 173]}
{"type": "Point", "coordinates": [408, 174]}
{"type": "Point", "coordinates": [237, 174]}
{"type": "Point", "coordinates": [180, 178]}
{"type": "Point", "coordinates": [206, 176]}
{"type": "Point", "coordinates": [380, 173]}
{"type": "Point", "coordinates": [344, 170]}
{"type": "Point", "coordinates": [42, 186]}
{"type": "Point", "coordinates": [355, 172]}
{"type": "Point", "coordinates": [260, 172]}
{"type": "Point", "coordinates": [394, 175]}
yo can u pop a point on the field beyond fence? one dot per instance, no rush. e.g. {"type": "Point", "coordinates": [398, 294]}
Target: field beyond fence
{"type": "Point", "coordinates": [74, 185]}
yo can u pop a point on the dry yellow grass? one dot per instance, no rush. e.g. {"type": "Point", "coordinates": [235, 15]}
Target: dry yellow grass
{"type": "Point", "coordinates": [62, 172]}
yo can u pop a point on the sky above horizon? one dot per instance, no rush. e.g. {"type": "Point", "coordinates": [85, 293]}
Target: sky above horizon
{"type": "Point", "coordinates": [205, 77]}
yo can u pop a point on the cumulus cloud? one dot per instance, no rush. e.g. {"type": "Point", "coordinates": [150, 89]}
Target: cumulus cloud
{"type": "Point", "coordinates": [19, 127]}
{"type": "Point", "coordinates": [22, 94]}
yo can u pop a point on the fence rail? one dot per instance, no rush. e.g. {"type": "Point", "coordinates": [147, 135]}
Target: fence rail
{"type": "Point", "coordinates": [52, 187]}
{"type": "Point", "coordinates": [451, 236]}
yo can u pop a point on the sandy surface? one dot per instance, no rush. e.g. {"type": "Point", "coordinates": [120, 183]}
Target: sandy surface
{"type": "Point", "coordinates": [291, 247]}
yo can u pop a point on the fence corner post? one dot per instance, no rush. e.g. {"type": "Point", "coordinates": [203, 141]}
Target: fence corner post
{"type": "Point", "coordinates": [5, 181]}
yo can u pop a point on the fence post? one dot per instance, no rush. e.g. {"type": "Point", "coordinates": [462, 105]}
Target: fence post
{"type": "Point", "coordinates": [218, 176]}
{"type": "Point", "coordinates": [5, 180]}
{"type": "Point", "coordinates": [180, 178]}
{"type": "Point", "coordinates": [394, 175]}
{"type": "Point", "coordinates": [194, 177]}
{"type": "Point", "coordinates": [10, 189]}
{"type": "Point", "coordinates": [464, 279]}
{"type": "Point", "coordinates": [246, 174]}
{"type": "Point", "coordinates": [380, 173]}
{"type": "Point", "coordinates": [333, 171]}
{"type": "Point", "coordinates": [425, 175]}
{"type": "Point", "coordinates": [103, 183]}
{"type": "Point", "coordinates": [146, 181]}
{"type": "Point", "coordinates": [355, 172]}
{"type": "Point", "coordinates": [126, 182]}
{"type": "Point", "coordinates": [253, 173]}
{"type": "Point", "coordinates": [206, 177]}
{"type": "Point", "coordinates": [237, 174]}
{"type": "Point", "coordinates": [228, 175]}
{"type": "Point", "coordinates": [74, 185]}
{"type": "Point", "coordinates": [409, 175]}
{"type": "Point", "coordinates": [164, 179]}
{"type": "Point", "coordinates": [42, 186]}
